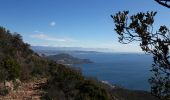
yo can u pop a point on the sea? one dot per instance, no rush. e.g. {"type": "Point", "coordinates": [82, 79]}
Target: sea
{"type": "Point", "coordinates": [127, 70]}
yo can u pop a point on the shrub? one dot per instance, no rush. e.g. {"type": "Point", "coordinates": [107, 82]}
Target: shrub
{"type": "Point", "coordinates": [3, 74]}
{"type": "Point", "coordinates": [4, 91]}
{"type": "Point", "coordinates": [69, 84]}
{"type": "Point", "coordinates": [12, 67]}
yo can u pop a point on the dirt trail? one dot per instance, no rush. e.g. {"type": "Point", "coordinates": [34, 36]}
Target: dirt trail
{"type": "Point", "coordinates": [27, 91]}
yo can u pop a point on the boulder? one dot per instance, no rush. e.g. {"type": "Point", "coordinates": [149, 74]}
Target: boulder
{"type": "Point", "coordinates": [9, 85]}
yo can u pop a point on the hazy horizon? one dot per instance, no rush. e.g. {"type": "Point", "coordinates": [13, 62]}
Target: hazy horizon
{"type": "Point", "coordinates": [104, 50]}
{"type": "Point", "coordinates": [75, 23]}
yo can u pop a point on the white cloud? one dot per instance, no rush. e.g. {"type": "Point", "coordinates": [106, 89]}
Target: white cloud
{"type": "Point", "coordinates": [53, 23]}
{"type": "Point", "coordinates": [37, 31]}
{"type": "Point", "coordinates": [43, 36]}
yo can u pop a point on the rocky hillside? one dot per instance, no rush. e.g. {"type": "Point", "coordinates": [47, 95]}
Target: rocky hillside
{"type": "Point", "coordinates": [28, 90]}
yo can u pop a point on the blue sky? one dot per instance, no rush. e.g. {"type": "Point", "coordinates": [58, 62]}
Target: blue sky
{"type": "Point", "coordinates": [74, 23]}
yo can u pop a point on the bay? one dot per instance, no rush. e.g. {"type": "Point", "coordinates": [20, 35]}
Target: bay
{"type": "Point", "coordinates": [130, 71]}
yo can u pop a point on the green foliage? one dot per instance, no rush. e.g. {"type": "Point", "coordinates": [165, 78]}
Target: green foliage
{"type": "Point", "coordinates": [17, 60]}
{"type": "Point", "coordinates": [139, 27]}
{"type": "Point", "coordinates": [12, 67]}
{"type": "Point", "coordinates": [17, 57]}
{"type": "Point", "coordinates": [92, 91]}
{"type": "Point", "coordinates": [3, 74]}
{"type": "Point", "coordinates": [124, 94]}
{"type": "Point", "coordinates": [68, 84]}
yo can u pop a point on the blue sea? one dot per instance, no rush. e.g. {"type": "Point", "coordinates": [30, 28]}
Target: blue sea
{"type": "Point", "coordinates": [130, 71]}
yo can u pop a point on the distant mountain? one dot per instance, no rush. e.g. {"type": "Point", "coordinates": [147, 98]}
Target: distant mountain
{"type": "Point", "coordinates": [58, 50]}
{"type": "Point", "coordinates": [48, 49]}
{"type": "Point", "coordinates": [68, 59]}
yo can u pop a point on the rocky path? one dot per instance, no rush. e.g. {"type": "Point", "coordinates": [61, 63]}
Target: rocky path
{"type": "Point", "coordinates": [27, 91]}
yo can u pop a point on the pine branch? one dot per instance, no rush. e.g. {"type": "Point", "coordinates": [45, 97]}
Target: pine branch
{"type": "Point", "coordinates": [163, 3]}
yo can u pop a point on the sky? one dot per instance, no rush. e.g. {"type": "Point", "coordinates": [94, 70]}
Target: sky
{"type": "Point", "coordinates": [74, 23]}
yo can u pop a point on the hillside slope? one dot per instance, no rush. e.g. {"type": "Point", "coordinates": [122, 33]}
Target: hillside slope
{"type": "Point", "coordinates": [19, 62]}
